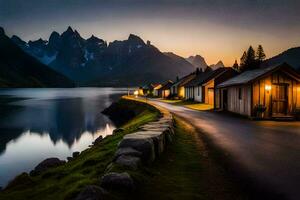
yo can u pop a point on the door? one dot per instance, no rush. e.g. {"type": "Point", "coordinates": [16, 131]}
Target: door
{"type": "Point", "coordinates": [225, 100]}
{"type": "Point", "coordinates": [279, 99]}
{"type": "Point", "coordinates": [210, 96]}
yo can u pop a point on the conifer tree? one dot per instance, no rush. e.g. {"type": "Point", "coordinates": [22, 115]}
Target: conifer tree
{"type": "Point", "coordinates": [250, 59]}
{"type": "Point", "coordinates": [243, 61]}
{"type": "Point", "coordinates": [260, 54]}
{"type": "Point", "coordinates": [235, 66]}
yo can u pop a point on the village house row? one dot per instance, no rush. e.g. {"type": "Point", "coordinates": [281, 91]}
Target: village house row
{"type": "Point", "coordinates": [270, 93]}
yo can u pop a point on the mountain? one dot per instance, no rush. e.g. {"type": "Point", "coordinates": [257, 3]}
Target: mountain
{"type": "Point", "coordinates": [217, 65]}
{"type": "Point", "coordinates": [197, 61]}
{"type": "Point", "coordinates": [18, 69]}
{"type": "Point", "coordinates": [290, 56]}
{"type": "Point", "coordinates": [179, 59]}
{"type": "Point", "coordinates": [94, 62]}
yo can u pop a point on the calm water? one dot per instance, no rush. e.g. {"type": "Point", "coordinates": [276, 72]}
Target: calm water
{"type": "Point", "coordinates": [42, 123]}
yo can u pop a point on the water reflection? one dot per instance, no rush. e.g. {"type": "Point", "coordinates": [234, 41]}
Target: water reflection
{"type": "Point", "coordinates": [51, 123]}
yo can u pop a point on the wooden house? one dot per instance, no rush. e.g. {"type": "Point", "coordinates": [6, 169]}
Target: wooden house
{"type": "Point", "coordinates": [156, 88]}
{"type": "Point", "coordinates": [271, 92]}
{"type": "Point", "coordinates": [165, 90]}
{"type": "Point", "coordinates": [201, 89]}
{"type": "Point", "coordinates": [177, 89]}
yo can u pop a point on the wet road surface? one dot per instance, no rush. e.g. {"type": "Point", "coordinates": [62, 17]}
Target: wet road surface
{"type": "Point", "coordinates": [268, 150]}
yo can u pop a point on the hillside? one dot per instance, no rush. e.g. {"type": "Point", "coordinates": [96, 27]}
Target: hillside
{"type": "Point", "coordinates": [290, 56]}
{"type": "Point", "coordinates": [18, 69]}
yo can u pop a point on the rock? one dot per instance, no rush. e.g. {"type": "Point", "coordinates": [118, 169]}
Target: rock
{"type": "Point", "coordinates": [128, 151]}
{"type": "Point", "coordinates": [117, 181]}
{"type": "Point", "coordinates": [92, 192]}
{"type": "Point", "coordinates": [70, 159]}
{"type": "Point", "coordinates": [76, 154]}
{"type": "Point", "coordinates": [158, 126]}
{"type": "Point", "coordinates": [99, 139]}
{"type": "Point", "coordinates": [127, 161]}
{"type": "Point", "coordinates": [118, 130]}
{"type": "Point", "coordinates": [47, 164]}
{"type": "Point", "coordinates": [141, 143]}
{"type": "Point", "coordinates": [158, 138]}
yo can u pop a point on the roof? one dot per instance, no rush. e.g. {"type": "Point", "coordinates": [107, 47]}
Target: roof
{"type": "Point", "coordinates": [167, 85]}
{"type": "Point", "coordinates": [184, 80]}
{"type": "Point", "coordinates": [206, 76]}
{"type": "Point", "coordinates": [157, 87]}
{"type": "Point", "coordinates": [249, 76]}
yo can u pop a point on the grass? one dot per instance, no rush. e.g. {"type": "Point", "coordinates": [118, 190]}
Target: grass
{"type": "Point", "coordinates": [186, 171]}
{"type": "Point", "coordinates": [66, 181]}
{"type": "Point", "coordinates": [189, 104]}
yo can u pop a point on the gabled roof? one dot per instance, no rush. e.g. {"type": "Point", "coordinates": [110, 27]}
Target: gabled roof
{"type": "Point", "coordinates": [157, 87]}
{"type": "Point", "coordinates": [183, 81]}
{"type": "Point", "coordinates": [252, 75]}
{"type": "Point", "coordinates": [206, 76]}
{"type": "Point", "coordinates": [167, 85]}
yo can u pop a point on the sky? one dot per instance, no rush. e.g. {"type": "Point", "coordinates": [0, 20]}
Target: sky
{"type": "Point", "coordinates": [214, 29]}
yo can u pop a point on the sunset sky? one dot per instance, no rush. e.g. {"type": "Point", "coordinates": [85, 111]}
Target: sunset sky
{"type": "Point", "coordinates": [215, 29]}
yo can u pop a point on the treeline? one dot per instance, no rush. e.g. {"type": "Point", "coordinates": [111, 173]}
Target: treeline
{"type": "Point", "coordinates": [250, 59]}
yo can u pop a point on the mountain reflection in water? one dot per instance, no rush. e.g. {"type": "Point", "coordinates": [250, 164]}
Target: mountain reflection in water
{"type": "Point", "coordinates": [45, 123]}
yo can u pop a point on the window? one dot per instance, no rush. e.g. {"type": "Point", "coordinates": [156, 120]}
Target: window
{"type": "Point", "coordinates": [198, 90]}
{"type": "Point", "coordinates": [240, 93]}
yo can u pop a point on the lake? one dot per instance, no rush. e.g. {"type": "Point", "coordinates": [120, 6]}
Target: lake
{"type": "Point", "coordinates": [36, 124]}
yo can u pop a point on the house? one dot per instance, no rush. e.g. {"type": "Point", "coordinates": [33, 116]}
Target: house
{"type": "Point", "coordinates": [156, 88]}
{"type": "Point", "coordinates": [177, 89]}
{"type": "Point", "coordinates": [201, 88]}
{"type": "Point", "coordinates": [165, 90]}
{"type": "Point", "coordinates": [149, 88]}
{"type": "Point", "coordinates": [271, 92]}
{"type": "Point", "coordinates": [141, 91]}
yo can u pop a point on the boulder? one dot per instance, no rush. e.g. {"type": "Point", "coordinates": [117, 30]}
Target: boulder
{"type": "Point", "coordinates": [167, 132]}
{"type": "Point", "coordinates": [76, 154]}
{"type": "Point", "coordinates": [92, 192]}
{"type": "Point", "coordinates": [47, 164]}
{"type": "Point", "coordinates": [158, 138]}
{"type": "Point", "coordinates": [129, 162]}
{"type": "Point", "coordinates": [141, 143]}
{"type": "Point", "coordinates": [99, 139]}
{"type": "Point", "coordinates": [118, 130]}
{"type": "Point", "coordinates": [128, 151]}
{"type": "Point", "coordinates": [117, 181]}
{"type": "Point", "coordinates": [70, 159]}
{"type": "Point", "coordinates": [156, 124]}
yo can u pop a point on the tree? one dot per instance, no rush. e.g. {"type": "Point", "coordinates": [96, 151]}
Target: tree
{"type": "Point", "coordinates": [235, 66]}
{"type": "Point", "coordinates": [248, 60]}
{"type": "Point", "coordinates": [243, 61]}
{"type": "Point", "coordinates": [260, 54]}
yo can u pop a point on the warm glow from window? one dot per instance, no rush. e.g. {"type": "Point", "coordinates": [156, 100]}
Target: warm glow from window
{"type": "Point", "coordinates": [268, 87]}
{"type": "Point", "coordinates": [136, 93]}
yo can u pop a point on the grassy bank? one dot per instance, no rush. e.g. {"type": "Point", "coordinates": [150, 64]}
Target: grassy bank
{"type": "Point", "coordinates": [187, 171]}
{"type": "Point", "coordinates": [66, 181]}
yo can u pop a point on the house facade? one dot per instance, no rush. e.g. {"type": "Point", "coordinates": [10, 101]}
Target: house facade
{"type": "Point", "coordinates": [177, 89]}
{"type": "Point", "coordinates": [271, 92]}
{"type": "Point", "coordinates": [165, 90]}
{"type": "Point", "coordinates": [202, 88]}
{"type": "Point", "coordinates": [156, 88]}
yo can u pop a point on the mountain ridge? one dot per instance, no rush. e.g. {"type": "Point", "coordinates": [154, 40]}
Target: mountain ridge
{"type": "Point", "coordinates": [93, 61]}
{"type": "Point", "coordinates": [19, 69]}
